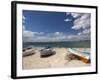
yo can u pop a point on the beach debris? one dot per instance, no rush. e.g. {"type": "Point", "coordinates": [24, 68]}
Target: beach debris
{"type": "Point", "coordinates": [47, 52]}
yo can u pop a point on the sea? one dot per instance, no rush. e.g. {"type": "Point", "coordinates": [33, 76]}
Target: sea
{"type": "Point", "coordinates": [66, 44]}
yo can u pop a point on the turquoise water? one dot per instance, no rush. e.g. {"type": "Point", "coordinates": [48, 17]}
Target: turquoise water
{"type": "Point", "coordinates": [67, 44]}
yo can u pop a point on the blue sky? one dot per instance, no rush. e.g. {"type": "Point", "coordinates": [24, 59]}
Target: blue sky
{"type": "Point", "coordinates": [43, 26]}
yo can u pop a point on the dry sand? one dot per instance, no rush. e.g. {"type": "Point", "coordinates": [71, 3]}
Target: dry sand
{"type": "Point", "coordinates": [58, 60]}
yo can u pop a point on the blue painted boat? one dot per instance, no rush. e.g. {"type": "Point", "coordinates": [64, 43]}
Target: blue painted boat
{"type": "Point", "coordinates": [87, 53]}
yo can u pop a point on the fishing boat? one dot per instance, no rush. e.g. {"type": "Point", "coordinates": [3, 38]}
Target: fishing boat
{"type": "Point", "coordinates": [84, 56]}
{"type": "Point", "coordinates": [46, 52]}
{"type": "Point", "coordinates": [28, 51]}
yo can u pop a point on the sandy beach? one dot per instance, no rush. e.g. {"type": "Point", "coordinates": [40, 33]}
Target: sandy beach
{"type": "Point", "coordinates": [59, 60]}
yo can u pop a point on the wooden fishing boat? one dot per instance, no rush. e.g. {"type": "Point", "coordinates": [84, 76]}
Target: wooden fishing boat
{"type": "Point", "coordinates": [28, 52]}
{"type": "Point", "coordinates": [46, 53]}
{"type": "Point", "coordinates": [83, 56]}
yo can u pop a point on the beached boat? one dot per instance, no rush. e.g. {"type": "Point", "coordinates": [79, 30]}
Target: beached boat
{"type": "Point", "coordinates": [28, 52]}
{"type": "Point", "coordinates": [46, 52]}
{"type": "Point", "coordinates": [83, 56]}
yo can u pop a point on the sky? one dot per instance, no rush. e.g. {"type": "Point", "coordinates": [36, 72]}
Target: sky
{"type": "Point", "coordinates": [44, 26]}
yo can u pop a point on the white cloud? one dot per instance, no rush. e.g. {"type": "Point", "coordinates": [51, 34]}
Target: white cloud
{"type": "Point", "coordinates": [86, 31]}
{"type": "Point", "coordinates": [29, 36]}
{"type": "Point", "coordinates": [28, 33]}
{"type": "Point", "coordinates": [23, 18]}
{"type": "Point", "coordinates": [58, 34]}
{"type": "Point", "coordinates": [86, 34]}
{"type": "Point", "coordinates": [23, 27]}
{"type": "Point", "coordinates": [68, 13]}
{"type": "Point", "coordinates": [75, 15]}
{"type": "Point", "coordinates": [67, 20]}
{"type": "Point", "coordinates": [82, 22]}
